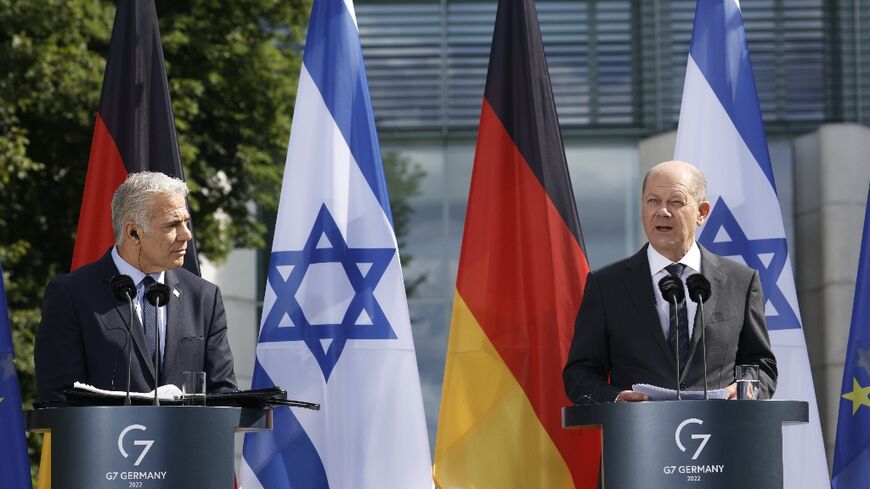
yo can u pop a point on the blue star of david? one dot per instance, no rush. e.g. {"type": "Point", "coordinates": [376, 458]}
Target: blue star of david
{"type": "Point", "coordinates": [363, 285]}
{"type": "Point", "coordinates": [751, 250]}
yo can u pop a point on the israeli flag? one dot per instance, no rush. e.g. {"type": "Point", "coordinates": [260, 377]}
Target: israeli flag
{"type": "Point", "coordinates": [722, 133]}
{"type": "Point", "coordinates": [335, 327]}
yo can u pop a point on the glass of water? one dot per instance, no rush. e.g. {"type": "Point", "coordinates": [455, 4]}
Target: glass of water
{"type": "Point", "coordinates": [193, 388]}
{"type": "Point", "coordinates": [748, 385]}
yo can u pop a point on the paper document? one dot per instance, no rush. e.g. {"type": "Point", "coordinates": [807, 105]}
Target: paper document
{"type": "Point", "coordinates": [657, 393]}
{"type": "Point", "coordinates": [168, 392]}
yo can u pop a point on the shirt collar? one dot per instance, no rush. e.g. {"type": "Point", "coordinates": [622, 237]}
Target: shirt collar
{"type": "Point", "coordinates": [125, 268]}
{"type": "Point", "coordinates": [657, 262]}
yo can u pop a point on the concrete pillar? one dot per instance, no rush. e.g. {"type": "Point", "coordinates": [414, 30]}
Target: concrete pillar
{"type": "Point", "coordinates": [656, 149]}
{"type": "Point", "coordinates": [237, 279]}
{"type": "Point", "coordinates": [832, 170]}
{"type": "Point", "coordinates": [652, 151]}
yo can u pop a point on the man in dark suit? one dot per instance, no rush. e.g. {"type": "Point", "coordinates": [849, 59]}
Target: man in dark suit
{"type": "Point", "coordinates": [83, 333]}
{"type": "Point", "coordinates": [623, 333]}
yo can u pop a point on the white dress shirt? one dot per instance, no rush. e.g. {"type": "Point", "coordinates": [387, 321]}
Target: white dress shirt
{"type": "Point", "coordinates": [657, 264]}
{"type": "Point", "coordinates": [138, 276]}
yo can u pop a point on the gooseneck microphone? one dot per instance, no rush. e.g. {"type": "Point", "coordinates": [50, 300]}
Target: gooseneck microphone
{"type": "Point", "coordinates": [699, 291]}
{"type": "Point", "coordinates": [672, 291]}
{"type": "Point", "coordinates": [124, 290]}
{"type": "Point", "coordinates": [157, 295]}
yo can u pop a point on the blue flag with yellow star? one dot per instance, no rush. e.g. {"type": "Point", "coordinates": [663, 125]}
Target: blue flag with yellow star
{"type": "Point", "coordinates": [14, 465]}
{"type": "Point", "coordinates": [852, 448]}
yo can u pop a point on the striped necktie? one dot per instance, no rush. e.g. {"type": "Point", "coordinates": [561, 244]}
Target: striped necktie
{"type": "Point", "coordinates": [679, 320]}
{"type": "Point", "coordinates": [149, 320]}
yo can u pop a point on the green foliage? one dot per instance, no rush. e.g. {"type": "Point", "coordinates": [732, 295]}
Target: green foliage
{"type": "Point", "coordinates": [232, 67]}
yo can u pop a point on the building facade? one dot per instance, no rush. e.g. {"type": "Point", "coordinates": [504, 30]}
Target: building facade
{"type": "Point", "coordinates": [617, 69]}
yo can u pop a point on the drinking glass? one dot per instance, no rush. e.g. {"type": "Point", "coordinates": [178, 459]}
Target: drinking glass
{"type": "Point", "coordinates": [748, 385]}
{"type": "Point", "coordinates": [193, 388]}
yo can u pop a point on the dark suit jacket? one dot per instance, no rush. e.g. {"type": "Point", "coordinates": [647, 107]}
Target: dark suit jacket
{"type": "Point", "coordinates": [83, 334]}
{"type": "Point", "coordinates": [618, 333]}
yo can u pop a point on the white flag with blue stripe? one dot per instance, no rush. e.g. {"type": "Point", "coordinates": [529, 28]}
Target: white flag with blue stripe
{"type": "Point", "coordinates": [335, 327]}
{"type": "Point", "coordinates": [722, 133]}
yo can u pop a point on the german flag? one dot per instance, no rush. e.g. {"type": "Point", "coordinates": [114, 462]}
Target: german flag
{"type": "Point", "coordinates": [134, 129]}
{"type": "Point", "coordinates": [521, 276]}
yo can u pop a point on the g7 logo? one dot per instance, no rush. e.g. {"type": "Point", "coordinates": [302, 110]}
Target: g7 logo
{"type": "Point", "coordinates": [705, 437]}
{"type": "Point", "coordinates": [146, 443]}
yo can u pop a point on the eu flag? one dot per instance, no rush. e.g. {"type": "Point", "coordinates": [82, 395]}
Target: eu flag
{"type": "Point", "coordinates": [14, 466]}
{"type": "Point", "coordinates": [852, 448]}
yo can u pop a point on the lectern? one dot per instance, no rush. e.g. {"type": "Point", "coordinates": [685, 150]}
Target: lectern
{"type": "Point", "coordinates": [690, 444]}
{"type": "Point", "coordinates": [154, 447]}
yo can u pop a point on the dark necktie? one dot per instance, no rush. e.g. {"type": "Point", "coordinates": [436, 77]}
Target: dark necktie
{"type": "Point", "coordinates": [149, 319]}
{"type": "Point", "coordinates": [679, 320]}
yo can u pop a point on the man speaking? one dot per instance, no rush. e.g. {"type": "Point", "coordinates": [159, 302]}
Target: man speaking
{"type": "Point", "coordinates": [83, 333]}
{"type": "Point", "coordinates": [626, 333]}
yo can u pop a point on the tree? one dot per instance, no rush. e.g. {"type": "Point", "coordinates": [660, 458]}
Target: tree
{"type": "Point", "coordinates": [403, 179]}
{"type": "Point", "coordinates": [232, 67]}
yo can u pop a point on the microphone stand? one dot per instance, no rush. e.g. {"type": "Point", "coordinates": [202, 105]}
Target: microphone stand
{"type": "Point", "coordinates": [127, 401]}
{"type": "Point", "coordinates": [677, 337]}
{"type": "Point", "coordinates": [157, 349]}
{"type": "Point", "coordinates": [703, 344]}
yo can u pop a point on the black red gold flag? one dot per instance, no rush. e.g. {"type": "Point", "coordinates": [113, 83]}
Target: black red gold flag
{"type": "Point", "coordinates": [520, 282]}
{"type": "Point", "coordinates": [134, 128]}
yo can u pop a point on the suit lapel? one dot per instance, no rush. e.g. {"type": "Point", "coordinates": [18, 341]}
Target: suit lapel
{"type": "Point", "coordinates": [711, 268]}
{"type": "Point", "coordinates": [117, 315]}
{"type": "Point", "coordinates": [173, 323]}
{"type": "Point", "coordinates": [639, 286]}
{"type": "Point", "coordinates": [122, 313]}
{"type": "Point", "coordinates": [710, 264]}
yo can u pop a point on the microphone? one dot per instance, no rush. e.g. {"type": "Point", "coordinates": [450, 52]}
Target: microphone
{"type": "Point", "coordinates": [699, 288]}
{"type": "Point", "coordinates": [157, 295]}
{"type": "Point", "coordinates": [124, 290]}
{"type": "Point", "coordinates": [672, 291]}
{"type": "Point", "coordinates": [123, 287]}
{"type": "Point", "coordinates": [699, 291]}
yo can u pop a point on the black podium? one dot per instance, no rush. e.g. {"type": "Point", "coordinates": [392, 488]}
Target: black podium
{"type": "Point", "coordinates": [690, 444]}
{"type": "Point", "coordinates": [144, 446]}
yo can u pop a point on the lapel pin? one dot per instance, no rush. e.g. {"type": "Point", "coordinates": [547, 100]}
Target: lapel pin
{"type": "Point", "coordinates": [176, 293]}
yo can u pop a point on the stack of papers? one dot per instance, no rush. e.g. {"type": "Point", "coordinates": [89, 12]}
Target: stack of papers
{"type": "Point", "coordinates": [657, 393]}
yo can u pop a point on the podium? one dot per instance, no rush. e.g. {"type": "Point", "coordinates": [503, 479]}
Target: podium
{"type": "Point", "coordinates": [154, 447]}
{"type": "Point", "coordinates": [712, 444]}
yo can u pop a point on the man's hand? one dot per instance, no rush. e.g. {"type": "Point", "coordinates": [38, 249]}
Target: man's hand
{"type": "Point", "coordinates": [632, 396]}
{"type": "Point", "coordinates": [731, 392]}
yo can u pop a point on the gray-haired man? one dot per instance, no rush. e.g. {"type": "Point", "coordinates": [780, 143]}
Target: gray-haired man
{"type": "Point", "coordinates": [83, 333]}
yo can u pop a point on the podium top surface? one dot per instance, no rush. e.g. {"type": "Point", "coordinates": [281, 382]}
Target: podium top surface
{"type": "Point", "coordinates": [240, 419]}
{"type": "Point", "coordinates": [605, 413]}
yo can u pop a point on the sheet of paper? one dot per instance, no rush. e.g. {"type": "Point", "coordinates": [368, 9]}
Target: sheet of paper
{"type": "Point", "coordinates": [657, 393]}
{"type": "Point", "coordinates": [168, 392]}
